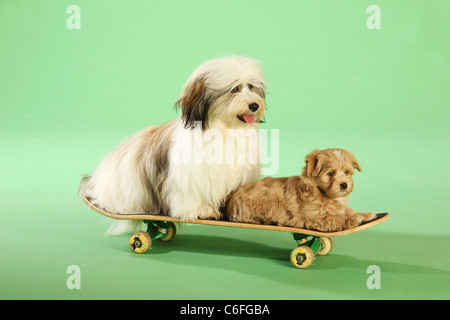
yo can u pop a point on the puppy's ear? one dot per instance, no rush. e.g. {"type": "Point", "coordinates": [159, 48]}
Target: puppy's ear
{"type": "Point", "coordinates": [312, 168]}
{"type": "Point", "coordinates": [193, 103]}
{"type": "Point", "coordinates": [357, 166]}
{"type": "Point", "coordinates": [354, 161]}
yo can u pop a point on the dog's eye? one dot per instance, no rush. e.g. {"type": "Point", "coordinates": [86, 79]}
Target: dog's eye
{"type": "Point", "coordinates": [347, 172]}
{"type": "Point", "coordinates": [235, 89]}
{"type": "Point", "coordinates": [250, 86]}
{"type": "Point", "coordinates": [330, 173]}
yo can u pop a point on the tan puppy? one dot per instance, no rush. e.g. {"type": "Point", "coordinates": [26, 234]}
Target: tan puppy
{"type": "Point", "coordinates": [315, 200]}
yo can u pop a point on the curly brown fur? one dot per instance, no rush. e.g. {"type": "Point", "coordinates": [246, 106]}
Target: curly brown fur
{"type": "Point", "coordinates": [315, 200]}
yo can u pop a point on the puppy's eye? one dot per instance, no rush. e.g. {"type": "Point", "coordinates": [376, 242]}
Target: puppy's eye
{"type": "Point", "coordinates": [250, 86]}
{"type": "Point", "coordinates": [235, 89]}
{"type": "Point", "coordinates": [330, 173]}
{"type": "Point", "coordinates": [347, 172]}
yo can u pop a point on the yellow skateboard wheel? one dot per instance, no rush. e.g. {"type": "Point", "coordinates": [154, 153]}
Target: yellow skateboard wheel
{"type": "Point", "coordinates": [140, 242]}
{"type": "Point", "coordinates": [302, 257]}
{"type": "Point", "coordinates": [325, 246]}
{"type": "Point", "coordinates": [170, 233]}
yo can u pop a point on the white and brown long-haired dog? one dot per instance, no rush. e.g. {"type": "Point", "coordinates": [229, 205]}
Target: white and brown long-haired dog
{"type": "Point", "coordinates": [315, 200]}
{"type": "Point", "coordinates": [164, 169]}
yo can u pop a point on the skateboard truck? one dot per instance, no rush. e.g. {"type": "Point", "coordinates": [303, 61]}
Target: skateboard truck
{"type": "Point", "coordinates": [308, 247]}
{"type": "Point", "coordinates": [158, 229]}
{"type": "Point", "coordinates": [141, 241]}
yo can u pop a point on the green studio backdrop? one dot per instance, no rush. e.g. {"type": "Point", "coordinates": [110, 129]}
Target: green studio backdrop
{"type": "Point", "coordinates": [368, 76]}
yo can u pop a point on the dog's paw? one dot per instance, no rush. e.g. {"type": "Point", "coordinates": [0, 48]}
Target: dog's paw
{"type": "Point", "coordinates": [368, 216]}
{"type": "Point", "coordinates": [207, 212]}
{"type": "Point", "coordinates": [357, 219]}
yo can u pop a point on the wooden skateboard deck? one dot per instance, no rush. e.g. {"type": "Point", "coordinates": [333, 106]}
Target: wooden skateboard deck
{"type": "Point", "coordinates": [311, 242]}
{"type": "Point", "coordinates": [381, 217]}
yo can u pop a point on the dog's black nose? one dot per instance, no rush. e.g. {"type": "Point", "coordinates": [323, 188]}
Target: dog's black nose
{"type": "Point", "coordinates": [343, 186]}
{"type": "Point", "coordinates": [253, 106]}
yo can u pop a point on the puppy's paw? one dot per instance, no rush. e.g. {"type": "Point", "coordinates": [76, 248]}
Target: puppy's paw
{"type": "Point", "coordinates": [207, 212]}
{"type": "Point", "coordinates": [357, 219]}
{"type": "Point", "coordinates": [368, 216]}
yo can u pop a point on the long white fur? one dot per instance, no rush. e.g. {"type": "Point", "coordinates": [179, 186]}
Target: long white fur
{"type": "Point", "coordinates": [145, 175]}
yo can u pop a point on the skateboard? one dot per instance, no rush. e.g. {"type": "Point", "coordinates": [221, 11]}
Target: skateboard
{"type": "Point", "coordinates": [309, 242]}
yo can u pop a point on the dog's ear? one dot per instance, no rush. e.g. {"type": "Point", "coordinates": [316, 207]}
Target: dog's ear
{"type": "Point", "coordinates": [354, 161]}
{"type": "Point", "coordinates": [357, 166]}
{"type": "Point", "coordinates": [312, 168]}
{"type": "Point", "coordinates": [193, 103]}
{"type": "Point", "coordinates": [261, 90]}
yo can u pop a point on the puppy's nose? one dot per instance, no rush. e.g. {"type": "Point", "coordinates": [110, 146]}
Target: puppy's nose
{"type": "Point", "coordinates": [343, 186]}
{"type": "Point", "coordinates": [253, 106]}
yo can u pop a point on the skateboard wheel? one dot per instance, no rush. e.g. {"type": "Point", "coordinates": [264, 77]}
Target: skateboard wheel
{"type": "Point", "coordinates": [325, 246]}
{"type": "Point", "coordinates": [302, 257]}
{"type": "Point", "coordinates": [170, 233]}
{"type": "Point", "coordinates": [140, 242]}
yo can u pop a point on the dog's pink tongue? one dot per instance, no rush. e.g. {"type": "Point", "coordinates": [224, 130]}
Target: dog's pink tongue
{"type": "Point", "coordinates": [249, 118]}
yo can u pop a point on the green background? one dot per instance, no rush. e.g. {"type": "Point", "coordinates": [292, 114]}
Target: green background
{"type": "Point", "coordinates": [67, 97]}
